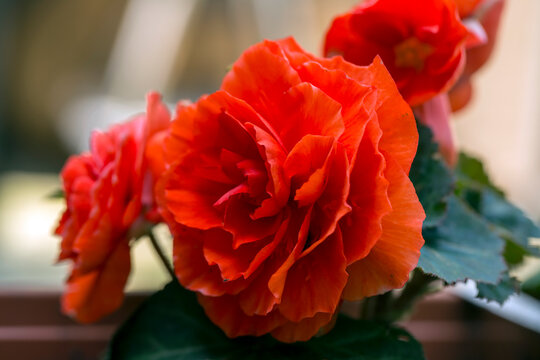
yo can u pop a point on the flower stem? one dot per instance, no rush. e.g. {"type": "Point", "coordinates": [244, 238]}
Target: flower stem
{"type": "Point", "coordinates": [160, 253]}
{"type": "Point", "coordinates": [389, 307]}
{"type": "Point", "coordinates": [418, 286]}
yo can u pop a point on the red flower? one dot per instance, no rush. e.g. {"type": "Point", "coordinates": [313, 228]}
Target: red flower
{"type": "Point", "coordinates": [106, 192]}
{"type": "Point", "coordinates": [467, 7]}
{"type": "Point", "coordinates": [488, 14]}
{"type": "Point", "coordinates": [287, 191]}
{"type": "Point", "coordinates": [421, 43]}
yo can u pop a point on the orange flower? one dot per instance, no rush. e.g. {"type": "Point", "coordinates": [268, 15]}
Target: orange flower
{"type": "Point", "coordinates": [421, 43]}
{"type": "Point", "coordinates": [109, 193]}
{"type": "Point", "coordinates": [287, 191]}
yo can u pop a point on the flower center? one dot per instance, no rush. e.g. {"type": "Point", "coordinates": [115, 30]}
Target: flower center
{"type": "Point", "coordinates": [412, 53]}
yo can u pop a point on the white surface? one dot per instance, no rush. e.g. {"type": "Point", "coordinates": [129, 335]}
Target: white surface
{"type": "Point", "coordinates": [520, 309]}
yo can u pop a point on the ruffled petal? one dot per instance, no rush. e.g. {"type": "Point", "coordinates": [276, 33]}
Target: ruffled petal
{"type": "Point", "coordinates": [278, 186]}
{"type": "Point", "coordinates": [399, 133]}
{"type": "Point", "coordinates": [307, 167]}
{"type": "Point", "coordinates": [225, 313]}
{"type": "Point", "coordinates": [397, 252]}
{"type": "Point", "coordinates": [244, 229]}
{"type": "Point", "coordinates": [303, 330]}
{"type": "Point", "coordinates": [400, 137]}
{"type": "Point", "coordinates": [257, 299]}
{"type": "Point", "coordinates": [77, 183]}
{"type": "Point", "coordinates": [368, 197]}
{"type": "Point", "coordinates": [157, 114]}
{"type": "Point", "coordinates": [193, 188]}
{"type": "Point", "coordinates": [193, 270]}
{"type": "Point", "coordinates": [294, 242]}
{"type": "Point", "coordinates": [332, 204]}
{"type": "Point", "coordinates": [260, 77]}
{"type": "Point", "coordinates": [305, 109]}
{"type": "Point", "coordinates": [238, 262]}
{"type": "Point", "coordinates": [90, 296]}
{"type": "Point", "coordinates": [95, 241]}
{"type": "Point", "coordinates": [311, 287]}
{"type": "Point", "coordinates": [355, 98]}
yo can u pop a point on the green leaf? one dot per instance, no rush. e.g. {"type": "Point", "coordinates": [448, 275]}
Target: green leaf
{"type": "Point", "coordinates": [470, 173]}
{"type": "Point", "coordinates": [508, 221]}
{"type": "Point", "coordinates": [499, 292]}
{"type": "Point", "coordinates": [532, 285]}
{"type": "Point", "coordinates": [172, 325]}
{"type": "Point", "coordinates": [462, 247]}
{"type": "Point", "coordinates": [431, 177]}
{"type": "Point", "coordinates": [513, 254]}
{"type": "Point", "coordinates": [56, 194]}
{"type": "Point", "coordinates": [511, 223]}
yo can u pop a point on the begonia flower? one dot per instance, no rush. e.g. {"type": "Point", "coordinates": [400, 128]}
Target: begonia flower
{"type": "Point", "coordinates": [109, 193]}
{"type": "Point", "coordinates": [287, 191]}
{"type": "Point", "coordinates": [421, 42]}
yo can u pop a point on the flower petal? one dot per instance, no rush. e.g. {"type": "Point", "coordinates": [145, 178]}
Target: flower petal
{"type": "Point", "coordinates": [260, 77]}
{"type": "Point", "coordinates": [310, 287]}
{"type": "Point", "coordinates": [305, 109]}
{"type": "Point", "coordinates": [368, 197]}
{"type": "Point", "coordinates": [225, 313]}
{"type": "Point", "coordinates": [399, 134]}
{"type": "Point", "coordinates": [92, 295]}
{"type": "Point", "coordinates": [355, 98]}
{"type": "Point", "coordinates": [400, 137]}
{"type": "Point", "coordinates": [278, 185]}
{"type": "Point", "coordinates": [243, 228]}
{"type": "Point", "coordinates": [396, 253]}
{"type": "Point", "coordinates": [157, 114]}
{"type": "Point", "coordinates": [303, 330]}
{"type": "Point", "coordinates": [192, 269]}
{"type": "Point", "coordinates": [307, 167]}
{"type": "Point", "coordinates": [332, 204]}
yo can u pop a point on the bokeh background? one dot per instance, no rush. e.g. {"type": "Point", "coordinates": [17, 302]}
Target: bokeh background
{"type": "Point", "coordinates": [70, 66]}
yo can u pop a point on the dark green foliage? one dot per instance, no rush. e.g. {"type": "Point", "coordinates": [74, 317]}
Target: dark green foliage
{"type": "Point", "coordinates": [56, 194]}
{"type": "Point", "coordinates": [462, 247]}
{"type": "Point", "coordinates": [532, 286]}
{"type": "Point", "coordinates": [499, 292]}
{"type": "Point", "coordinates": [431, 177]}
{"type": "Point", "coordinates": [507, 220]}
{"type": "Point", "coordinates": [172, 325]}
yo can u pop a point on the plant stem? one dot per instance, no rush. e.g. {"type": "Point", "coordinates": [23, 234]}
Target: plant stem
{"type": "Point", "coordinates": [377, 307]}
{"type": "Point", "coordinates": [160, 253]}
{"type": "Point", "coordinates": [389, 307]}
{"type": "Point", "coordinates": [415, 288]}
{"type": "Point", "coordinates": [367, 310]}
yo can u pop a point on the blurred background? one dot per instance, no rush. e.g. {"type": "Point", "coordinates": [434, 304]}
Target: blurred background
{"type": "Point", "coordinates": [70, 66]}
